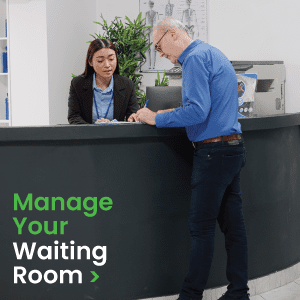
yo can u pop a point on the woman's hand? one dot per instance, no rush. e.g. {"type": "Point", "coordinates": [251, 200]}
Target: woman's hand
{"type": "Point", "coordinates": [102, 120]}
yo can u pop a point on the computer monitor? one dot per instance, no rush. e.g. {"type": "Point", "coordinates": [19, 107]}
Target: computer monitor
{"type": "Point", "coordinates": [163, 97]}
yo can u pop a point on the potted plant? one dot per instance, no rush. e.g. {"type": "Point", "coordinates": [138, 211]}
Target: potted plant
{"type": "Point", "coordinates": [131, 44]}
{"type": "Point", "coordinates": [162, 96]}
{"type": "Point", "coordinates": [164, 81]}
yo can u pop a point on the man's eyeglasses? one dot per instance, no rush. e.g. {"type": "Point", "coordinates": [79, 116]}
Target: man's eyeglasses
{"type": "Point", "coordinates": [158, 47]}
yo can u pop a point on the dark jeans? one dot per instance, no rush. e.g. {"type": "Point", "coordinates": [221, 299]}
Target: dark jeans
{"type": "Point", "coordinates": [216, 195]}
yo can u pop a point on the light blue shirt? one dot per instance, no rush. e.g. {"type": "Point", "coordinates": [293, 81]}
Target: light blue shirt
{"type": "Point", "coordinates": [209, 95]}
{"type": "Point", "coordinates": [103, 99]}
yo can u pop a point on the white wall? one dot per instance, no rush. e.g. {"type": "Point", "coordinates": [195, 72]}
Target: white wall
{"type": "Point", "coordinates": [28, 62]}
{"type": "Point", "coordinates": [47, 44]}
{"type": "Point", "coordinates": [69, 25]}
{"type": "Point", "coordinates": [260, 30]}
{"type": "Point", "coordinates": [242, 30]}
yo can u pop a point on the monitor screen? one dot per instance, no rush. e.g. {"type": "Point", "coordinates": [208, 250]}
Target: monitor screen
{"type": "Point", "coordinates": [163, 97]}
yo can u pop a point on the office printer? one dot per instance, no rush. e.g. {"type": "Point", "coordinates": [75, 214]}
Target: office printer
{"type": "Point", "coordinates": [269, 97]}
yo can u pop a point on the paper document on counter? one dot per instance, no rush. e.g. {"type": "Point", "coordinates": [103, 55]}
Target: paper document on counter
{"type": "Point", "coordinates": [118, 123]}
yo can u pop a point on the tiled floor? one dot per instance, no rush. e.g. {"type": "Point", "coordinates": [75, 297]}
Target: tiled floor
{"type": "Point", "coordinates": [291, 291]}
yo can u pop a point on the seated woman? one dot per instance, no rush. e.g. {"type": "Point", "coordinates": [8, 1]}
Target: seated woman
{"type": "Point", "coordinates": [101, 94]}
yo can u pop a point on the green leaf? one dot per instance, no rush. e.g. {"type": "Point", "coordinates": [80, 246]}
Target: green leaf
{"type": "Point", "coordinates": [128, 20]}
{"type": "Point", "coordinates": [139, 17]}
{"type": "Point", "coordinates": [105, 22]}
{"type": "Point", "coordinates": [158, 77]}
{"type": "Point", "coordinates": [144, 49]}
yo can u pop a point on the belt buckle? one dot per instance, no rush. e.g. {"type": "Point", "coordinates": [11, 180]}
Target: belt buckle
{"type": "Point", "coordinates": [233, 142]}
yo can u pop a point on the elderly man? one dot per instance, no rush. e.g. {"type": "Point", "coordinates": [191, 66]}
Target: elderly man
{"type": "Point", "coordinates": [210, 116]}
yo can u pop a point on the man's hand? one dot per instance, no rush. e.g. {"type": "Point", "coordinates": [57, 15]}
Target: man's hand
{"type": "Point", "coordinates": [145, 115]}
{"type": "Point", "coordinates": [132, 118]}
{"type": "Point", "coordinates": [165, 110]}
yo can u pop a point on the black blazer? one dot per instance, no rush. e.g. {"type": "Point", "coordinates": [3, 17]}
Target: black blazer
{"type": "Point", "coordinates": [81, 99]}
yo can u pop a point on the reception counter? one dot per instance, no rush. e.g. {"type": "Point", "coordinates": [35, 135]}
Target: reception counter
{"type": "Point", "coordinates": [145, 171]}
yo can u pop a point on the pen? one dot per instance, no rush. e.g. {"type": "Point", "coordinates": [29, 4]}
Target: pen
{"type": "Point", "coordinates": [146, 103]}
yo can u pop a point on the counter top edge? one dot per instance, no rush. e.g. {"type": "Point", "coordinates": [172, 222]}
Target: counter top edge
{"type": "Point", "coordinates": [106, 132]}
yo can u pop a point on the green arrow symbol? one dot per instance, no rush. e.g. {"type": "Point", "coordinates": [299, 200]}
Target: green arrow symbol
{"type": "Point", "coordinates": [96, 276]}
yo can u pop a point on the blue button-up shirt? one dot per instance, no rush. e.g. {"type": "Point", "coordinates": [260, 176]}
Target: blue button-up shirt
{"type": "Point", "coordinates": [103, 99]}
{"type": "Point", "coordinates": [209, 95]}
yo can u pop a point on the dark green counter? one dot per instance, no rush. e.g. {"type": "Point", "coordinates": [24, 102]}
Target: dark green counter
{"type": "Point", "coordinates": [146, 172]}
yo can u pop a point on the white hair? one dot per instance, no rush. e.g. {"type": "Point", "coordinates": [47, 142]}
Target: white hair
{"type": "Point", "coordinates": [170, 22]}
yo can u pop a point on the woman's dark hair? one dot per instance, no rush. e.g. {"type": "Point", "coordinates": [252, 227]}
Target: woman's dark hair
{"type": "Point", "coordinates": [94, 47]}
